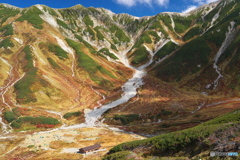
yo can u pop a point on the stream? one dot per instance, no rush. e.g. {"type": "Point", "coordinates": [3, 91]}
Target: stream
{"type": "Point", "coordinates": [230, 35]}
{"type": "Point", "coordinates": [129, 91]}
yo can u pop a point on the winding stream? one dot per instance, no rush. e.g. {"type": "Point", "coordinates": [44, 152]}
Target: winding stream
{"type": "Point", "coordinates": [230, 35]}
{"type": "Point", "coordinates": [129, 91]}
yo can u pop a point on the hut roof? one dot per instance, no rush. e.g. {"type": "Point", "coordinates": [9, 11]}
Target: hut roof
{"type": "Point", "coordinates": [96, 146]}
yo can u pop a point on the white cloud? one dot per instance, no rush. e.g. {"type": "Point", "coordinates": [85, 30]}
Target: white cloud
{"type": "Point", "coordinates": [198, 3]}
{"type": "Point", "coordinates": [190, 8]}
{"type": "Point", "coordinates": [162, 2]}
{"type": "Point", "coordinates": [202, 2]}
{"type": "Point", "coordinates": [210, 1]}
{"type": "Point", "coordinates": [130, 3]}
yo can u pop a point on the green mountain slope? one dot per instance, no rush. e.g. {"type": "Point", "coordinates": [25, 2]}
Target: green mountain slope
{"type": "Point", "coordinates": [220, 134]}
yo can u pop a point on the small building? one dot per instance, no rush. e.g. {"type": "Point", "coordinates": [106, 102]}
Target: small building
{"type": "Point", "coordinates": [90, 148]}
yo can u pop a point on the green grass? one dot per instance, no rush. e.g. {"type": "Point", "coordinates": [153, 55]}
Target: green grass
{"type": "Point", "coordinates": [166, 49]}
{"type": "Point", "coordinates": [63, 24]}
{"type": "Point", "coordinates": [225, 16]}
{"type": "Point", "coordinates": [191, 33]}
{"type": "Point", "coordinates": [166, 20]}
{"type": "Point", "coordinates": [118, 156]}
{"type": "Point", "coordinates": [113, 47]}
{"type": "Point", "coordinates": [88, 64]}
{"type": "Point", "coordinates": [90, 31]}
{"type": "Point", "coordinates": [71, 114]}
{"type": "Point", "coordinates": [24, 93]}
{"type": "Point", "coordinates": [99, 34]}
{"type": "Point", "coordinates": [50, 10]}
{"type": "Point", "coordinates": [16, 125]}
{"type": "Point", "coordinates": [84, 42]}
{"type": "Point", "coordinates": [7, 30]}
{"type": "Point", "coordinates": [108, 53]}
{"type": "Point", "coordinates": [119, 34]}
{"type": "Point", "coordinates": [177, 141]}
{"type": "Point", "coordinates": [155, 35]}
{"type": "Point", "coordinates": [140, 56]}
{"type": "Point", "coordinates": [32, 16]}
{"type": "Point", "coordinates": [30, 146]}
{"type": "Point", "coordinates": [185, 61]}
{"type": "Point", "coordinates": [6, 13]}
{"type": "Point", "coordinates": [23, 88]}
{"type": "Point", "coordinates": [126, 119]}
{"type": "Point", "coordinates": [182, 23]}
{"type": "Point", "coordinates": [143, 39]}
{"type": "Point", "coordinates": [25, 120]}
{"type": "Point", "coordinates": [6, 43]}
{"type": "Point", "coordinates": [53, 63]}
{"type": "Point", "coordinates": [157, 26]}
{"type": "Point", "coordinates": [84, 60]}
{"type": "Point", "coordinates": [9, 116]}
{"type": "Point", "coordinates": [217, 37]}
{"type": "Point", "coordinates": [58, 51]}
{"type": "Point", "coordinates": [41, 120]}
{"type": "Point", "coordinates": [87, 20]}
{"type": "Point", "coordinates": [69, 13]}
{"type": "Point", "coordinates": [38, 120]}
{"type": "Point", "coordinates": [29, 58]}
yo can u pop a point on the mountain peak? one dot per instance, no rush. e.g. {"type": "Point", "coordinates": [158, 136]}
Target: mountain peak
{"type": "Point", "coordinates": [9, 6]}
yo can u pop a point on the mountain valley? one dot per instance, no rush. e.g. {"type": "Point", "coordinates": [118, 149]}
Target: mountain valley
{"type": "Point", "coordinates": [87, 73]}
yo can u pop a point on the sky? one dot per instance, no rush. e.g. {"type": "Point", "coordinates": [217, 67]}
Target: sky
{"type": "Point", "coordinates": [138, 8]}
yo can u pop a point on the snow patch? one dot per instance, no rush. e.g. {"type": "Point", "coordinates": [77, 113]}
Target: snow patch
{"type": "Point", "coordinates": [47, 17]}
{"type": "Point", "coordinates": [3, 125]}
{"type": "Point", "coordinates": [215, 17]}
{"type": "Point", "coordinates": [222, 102]}
{"type": "Point", "coordinates": [49, 79]}
{"type": "Point", "coordinates": [63, 45]}
{"type": "Point", "coordinates": [10, 6]}
{"type": "Point", "coordinates": [174, 41]}
{"type": "Point", "coordinates": [20, 41]}
{"type": "Point", "coordinates": [173, 24]}
{"type": "Point", "coordinates": [229, 38]}
{"type": "Point", "coordinates": [129, 89]}
{"type": "Point", "coordinates": [108, 12]}
{"type": "Point", "coordinates": [199, 107]}
{"type": "Point", "coordinates": [36, 53]}
{"type": "Point", "coordinates": [68, 50]}
{"type": "Point", "coordinates": [4, 61]}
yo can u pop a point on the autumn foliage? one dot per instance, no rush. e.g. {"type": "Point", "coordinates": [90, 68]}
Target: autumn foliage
{"type": "Point", "coordinates": [45, 126]}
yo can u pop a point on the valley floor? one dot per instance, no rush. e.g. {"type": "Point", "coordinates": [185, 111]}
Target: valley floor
{"type": "Point", "coordinates": [62, 144]}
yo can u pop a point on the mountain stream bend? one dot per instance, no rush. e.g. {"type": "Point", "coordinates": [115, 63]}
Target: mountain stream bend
{"type": "Point", "coordinates": [129, 91]}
